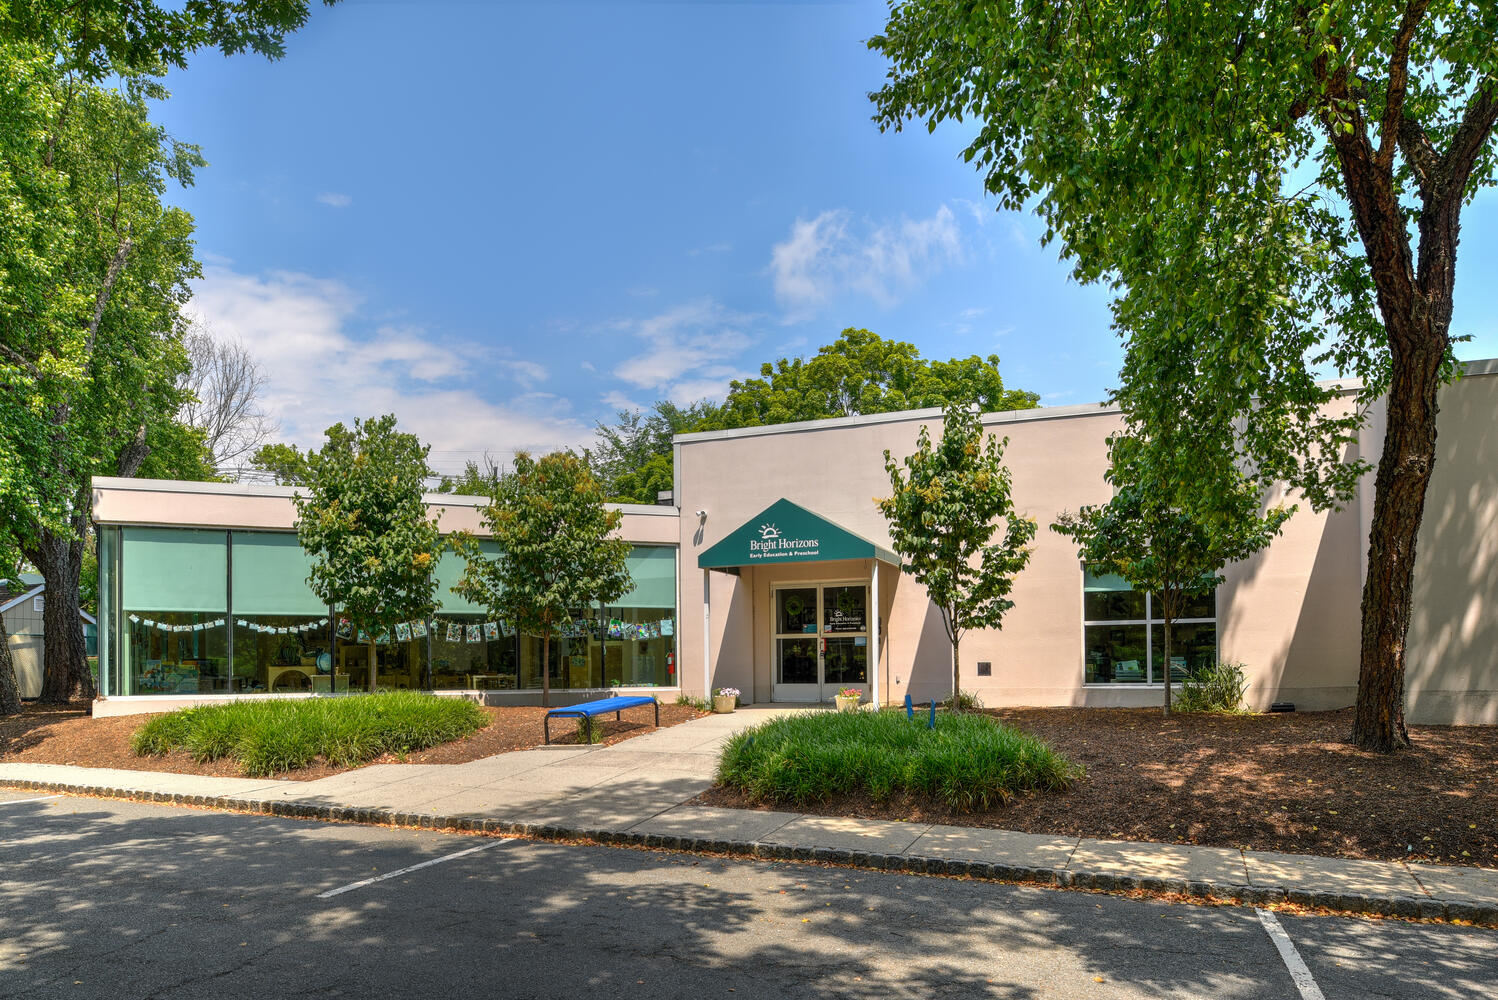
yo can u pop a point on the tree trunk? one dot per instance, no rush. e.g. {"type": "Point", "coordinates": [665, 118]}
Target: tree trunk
{"type": "Point", "coordinates": [1167, 618]}
{"type": "Point", "coordinates": [1404, 472]}
{"type": "Point", "coordinates": [546, 671]}
{"type": "Point", "coordinates": [371, 662]}
{"type": "Point", "coordinates": [10, 690]}
{"type": "Point", "coordinates": [956, 674]}
{"type": "Point", "coordinates": [65, 673]}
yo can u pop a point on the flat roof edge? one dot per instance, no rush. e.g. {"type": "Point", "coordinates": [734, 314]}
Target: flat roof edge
{"type": "Point", "coordinates": [894, 417]}
{"type": "Point", "coordinates": [1485, 366]}
{"type": "Point", "coordinates": [275, 492]}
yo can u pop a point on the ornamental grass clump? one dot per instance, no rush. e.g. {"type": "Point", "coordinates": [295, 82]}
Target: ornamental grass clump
{"type": "Point", "coordinates": [272, 737]}
{"type": "Point", "coordinates": [1219, 688]}
{"type": "Point", "coordinates": [968, 762]}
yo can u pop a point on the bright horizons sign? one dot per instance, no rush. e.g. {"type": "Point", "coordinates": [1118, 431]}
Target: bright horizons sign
{"type": "Point", "coordinates": [785, 532]}
{"type": "Point", "coordinates": [772, 543]}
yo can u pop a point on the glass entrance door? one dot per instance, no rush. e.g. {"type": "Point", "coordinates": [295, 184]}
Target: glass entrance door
{"type": "Point", "coordinates": [821, 640]}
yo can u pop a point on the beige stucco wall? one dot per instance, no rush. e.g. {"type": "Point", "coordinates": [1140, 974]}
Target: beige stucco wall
{"type": "Point", "coordinates": [1290, 614]}
{"type": "Point", "coordinates": [231, 505]}
{"type": "Point", "coordinates": [1451, 668]}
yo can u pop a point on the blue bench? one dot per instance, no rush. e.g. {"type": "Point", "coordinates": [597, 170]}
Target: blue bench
{"type": "Point", "coordinates": [588, 709]}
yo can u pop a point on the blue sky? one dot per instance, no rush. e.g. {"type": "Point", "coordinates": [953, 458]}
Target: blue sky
{"type": "Point", "coordinates": [504, 222]}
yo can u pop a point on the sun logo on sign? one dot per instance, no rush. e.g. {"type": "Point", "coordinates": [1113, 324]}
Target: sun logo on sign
{"type": "Point", "coordinates": [767, 532]}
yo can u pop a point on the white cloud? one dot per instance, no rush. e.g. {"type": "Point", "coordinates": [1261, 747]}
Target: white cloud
{"type": "Point", "coordinates": [321, 370]}
{"type": "Point", "coordinates": [335, 200]}
{"type": "Point", "coordinates": [688, 351]}
{"type": "Point", "coordinates": [616, 400]}
{"type": "Point", "coordinates": [835, 254]}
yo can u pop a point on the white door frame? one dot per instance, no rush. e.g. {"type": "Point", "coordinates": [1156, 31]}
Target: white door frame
{"type": "Point", "coordinates": [821, 690]}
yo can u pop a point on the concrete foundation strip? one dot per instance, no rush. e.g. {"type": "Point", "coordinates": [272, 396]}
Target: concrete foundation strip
{"type": "Point", "coordinates": [1247, 895]}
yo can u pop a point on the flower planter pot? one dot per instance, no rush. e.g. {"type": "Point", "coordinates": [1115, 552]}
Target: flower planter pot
{"type": "Point", "coordinates": [723, 703]}
{"type": "Point", "coordinates": [849, 704]}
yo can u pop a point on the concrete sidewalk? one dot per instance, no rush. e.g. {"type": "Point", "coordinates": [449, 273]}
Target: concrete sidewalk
{"type": "Point", "coordinates": [637, 793]}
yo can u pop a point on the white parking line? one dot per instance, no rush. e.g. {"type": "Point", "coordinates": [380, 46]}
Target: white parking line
{"type": "Point", "coordinates": [16, 802]}
{"type": "Point", "coordinates": [425, 864]}
{"type": "Point", "coordinates": [1297, 968]}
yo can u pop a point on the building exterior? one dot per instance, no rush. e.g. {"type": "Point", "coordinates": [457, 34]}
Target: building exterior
{"type": "Point", "coordinates": [204, 596]}
{"type": "Point", "coordinates": [21, 604]}
{"type": "Point", "coordinates": [773, 574]}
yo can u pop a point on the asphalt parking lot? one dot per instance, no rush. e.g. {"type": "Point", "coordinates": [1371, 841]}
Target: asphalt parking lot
{"type": "Point", "coordinates": [103, 898]}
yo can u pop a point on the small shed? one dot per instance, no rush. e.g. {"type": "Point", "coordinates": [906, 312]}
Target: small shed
{"type": "Point", "coordinates": [21, 604]}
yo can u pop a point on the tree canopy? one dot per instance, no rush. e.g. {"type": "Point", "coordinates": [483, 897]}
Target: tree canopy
{"type": "Point", "coordinates": [96, 269]}
{"type": "Point", "coordinates": [633, 457]}
{"type": "Point", "coordinates": [944, 510]}
{"type": "Point", "coordinates": [1274, 189]}
{"type": "Point", "coordinates": [102, 38]}
{"type": "Point", "coordinates": [860, 373]}
{"type": "Point", "coordinates": [362, 517]}
{"type": "Point", "coordinates": [559, 553]}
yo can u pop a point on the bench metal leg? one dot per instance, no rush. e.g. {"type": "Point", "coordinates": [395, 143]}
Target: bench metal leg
{"type": "Point", "coordinates": [546, 727]}
{"type": "Point", "coordinates": [657, 715]}
{"type": "Point", "coordinates": [588, 728]}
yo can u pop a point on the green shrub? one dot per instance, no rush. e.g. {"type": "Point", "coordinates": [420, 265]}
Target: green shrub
{"type": "Point", "coordinates": [968, 762]}
{"type": "Point", "coordinates": [271, 737]}
{"type": "Point", "coordinates": [700, 704]}
{"type": "Point", "coordinates": [1218, 688]}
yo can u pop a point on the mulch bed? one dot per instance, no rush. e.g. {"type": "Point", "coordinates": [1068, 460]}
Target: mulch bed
{"type": "Point", "coordinates": [67, 734]}
{"type": "Point", "coordinates": [1262, 782]}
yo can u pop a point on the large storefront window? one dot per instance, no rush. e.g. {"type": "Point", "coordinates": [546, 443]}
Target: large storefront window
{"type": "Point", "coordinates": [465, 659]}
{"type": "Point", "coordinates": [639, 648]}
{"type": "Point", "coordinates": [191, 611]}
{"type": "Point", "coordinates": [1124, 638]}
{"type": "Point", "coordinates": [174, 599]}
{"type": "Point", "coordinates": [282, 637]}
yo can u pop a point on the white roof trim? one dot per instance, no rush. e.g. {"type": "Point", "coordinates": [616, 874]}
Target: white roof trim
{"type": "Point", "coordinates": [133, 485]}
{"type": "Point", "coordinates": [1344, 385]}
{"type": "Point", "coordinates": [35, 591]}
{"type": "Point", "coordinates": [17, 600]}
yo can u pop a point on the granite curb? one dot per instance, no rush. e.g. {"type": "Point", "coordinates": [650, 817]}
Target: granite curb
{"type": "Point", "coordinates": [1242, 894]}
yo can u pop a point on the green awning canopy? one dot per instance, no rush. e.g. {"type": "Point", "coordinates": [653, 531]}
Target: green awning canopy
{"type": "Point", "coordinates": [786, 532]}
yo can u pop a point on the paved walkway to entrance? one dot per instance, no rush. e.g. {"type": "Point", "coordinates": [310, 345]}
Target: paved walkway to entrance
{"type": "Point", "coordinates": [638, 792]}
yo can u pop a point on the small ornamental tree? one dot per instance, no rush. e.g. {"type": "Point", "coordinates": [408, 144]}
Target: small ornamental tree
{"type": "Point", "coordinates": [558, 549]}
{"type": "Point", "coordinates": [362, 518]}
{"type": "Point", "coordinates": [944, 511]}
{"type": "Point", "coordinates": [1178, 515]}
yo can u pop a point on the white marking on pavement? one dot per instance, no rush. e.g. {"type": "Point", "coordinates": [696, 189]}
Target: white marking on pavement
{"type": "Point", "coordinates": [1297, 968]}
{"type": "Point", "coordinates": [16, 802]}
{"type": "Point", "coordinates": [425, 864]}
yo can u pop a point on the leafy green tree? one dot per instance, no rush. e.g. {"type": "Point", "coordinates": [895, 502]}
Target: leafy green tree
{"type": "Point", "coordinates": [96, 270]}
{"type": "Point", "coordinates": [1174, 522]}
{"type": "Point", "coordinates": [1276, 187]}
{"type": "Point", "coordinates": [474, 481]}
{"type": "Point", "coordinates": [559, 550]}
{"type": "Point", "coordinates": [284, 463]}
{"type": "Point", "coordinates": [96, 39]}
{"type": "Point", "coordinates": [944, 511]}
{"type": "Point", "coordinates": [859, 373]}
{"type": "Point", "coordinates": [362, 517]}
{"type": "Point", "coordinates": [633, 457]}
{"type": "Point", "coordinates": [644, 484]}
